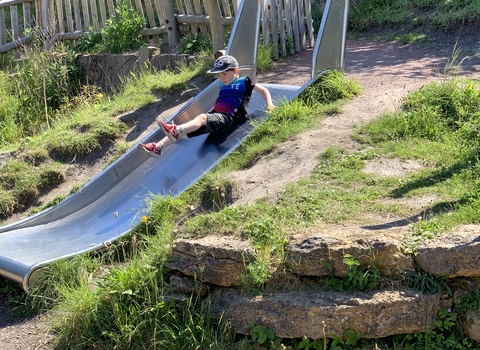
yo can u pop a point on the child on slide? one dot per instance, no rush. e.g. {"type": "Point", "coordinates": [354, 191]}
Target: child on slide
{"type": "Point", "coordinates": [230, 107]}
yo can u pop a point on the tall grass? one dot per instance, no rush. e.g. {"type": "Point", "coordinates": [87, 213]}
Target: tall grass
{"type": "Point", "coordinates": [408, 15]}
{"type": "Point", "coordinates": [34, 89]}
{"type": "Point", "coordinates": [45, 144]}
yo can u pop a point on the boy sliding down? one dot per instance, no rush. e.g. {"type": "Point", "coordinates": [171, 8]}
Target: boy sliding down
{"type": "Point", "coordinates": [230, 107]}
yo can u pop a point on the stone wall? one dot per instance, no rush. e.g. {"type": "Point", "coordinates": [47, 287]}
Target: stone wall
{"type": "Point", "coordinates": [293, 310]}
{"type": "Point", "coordinates": [110, 71]}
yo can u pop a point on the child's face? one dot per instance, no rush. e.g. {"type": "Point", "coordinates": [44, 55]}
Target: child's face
{"type": "Point", "coordinates": [227, 76]}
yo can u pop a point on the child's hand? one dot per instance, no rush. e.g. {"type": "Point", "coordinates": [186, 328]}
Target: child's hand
{"type": "Point", "coordinates": [270, 107]}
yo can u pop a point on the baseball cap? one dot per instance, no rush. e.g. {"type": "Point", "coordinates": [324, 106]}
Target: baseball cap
{"type": "Point", "coordinates": [223, 63]}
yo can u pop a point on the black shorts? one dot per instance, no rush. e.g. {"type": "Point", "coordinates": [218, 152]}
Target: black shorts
{"type": "Point", "coordinates": [216, 124]}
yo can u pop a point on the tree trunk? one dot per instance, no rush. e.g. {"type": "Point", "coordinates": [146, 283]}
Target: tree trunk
{"type": "Point", "coordinates": [216, 25]}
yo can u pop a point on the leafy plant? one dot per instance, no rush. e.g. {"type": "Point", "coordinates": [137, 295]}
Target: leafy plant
{"type": "Point", "coordinates": [89, 42]}
{"type": "Point", "coordinates": [357, 278]}
{"type": "Point", "coordinates": [425, 282]}
{"type": "Point", "coordinates": [348, 341]}
{"type": "Point", "coordinates": [122, 32]}
{"type": "Point", "coordinates": [447, 335]}
{"type": "Point", "coordinates": [307, 344]}
{"type": "Point", "coordinates": [194, 43]}
{"type": "Point", "coordinates": [263, 337]}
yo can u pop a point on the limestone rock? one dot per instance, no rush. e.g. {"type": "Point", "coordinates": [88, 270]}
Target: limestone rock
{"type": "Point", "coordinates": [316, 314]}
{"type": "Point", "coordinates": [218, 260]}
{"type": "Point", "coordinates": [471, 324]}
{"type": "Point", "coordinates": [187, 285]}
{"type": "Point", "coordinates": [456, 254]}
{"type": "Point", "coordinates": [309, 255]}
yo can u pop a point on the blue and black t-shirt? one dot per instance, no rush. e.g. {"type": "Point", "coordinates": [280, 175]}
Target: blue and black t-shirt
{"type": "Point", "coordinates": [233, 99]}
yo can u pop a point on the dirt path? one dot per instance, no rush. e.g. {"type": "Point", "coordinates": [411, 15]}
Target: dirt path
{"type": "Point", "coordinates": [386, 71]}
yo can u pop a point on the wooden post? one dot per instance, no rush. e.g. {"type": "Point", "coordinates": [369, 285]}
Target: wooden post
{"type": "Point", "coordinates": [216, 25]}
{"type": "Point", "coordinates": [170, 22]}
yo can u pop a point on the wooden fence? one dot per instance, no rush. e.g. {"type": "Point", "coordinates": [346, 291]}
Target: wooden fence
{"type": "Point", "coordinates": [287, 25]}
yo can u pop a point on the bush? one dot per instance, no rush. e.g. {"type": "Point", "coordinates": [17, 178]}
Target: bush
{"type": "Point", "coordinates": [121, 34]}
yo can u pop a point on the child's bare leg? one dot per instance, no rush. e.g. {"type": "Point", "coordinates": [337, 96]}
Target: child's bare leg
{"type": "Point", "coordinates": [194, 124]}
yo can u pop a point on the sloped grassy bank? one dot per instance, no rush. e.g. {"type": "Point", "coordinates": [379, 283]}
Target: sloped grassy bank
{"type": "Point", "coordinates": [121, 298]}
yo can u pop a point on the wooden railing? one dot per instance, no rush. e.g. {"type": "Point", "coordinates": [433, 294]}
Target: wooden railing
{"type": "Point", "coordinates": [69, 20]}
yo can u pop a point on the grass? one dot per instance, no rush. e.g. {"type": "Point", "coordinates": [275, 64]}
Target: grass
{"type": "Point", "coordinates": [119, 298]}
{"type": "Point", "coordinates": [410, 21]}
{"type": "Point", "coordinates": [84, 124]}
{"type": "Point", "coordinates": [126, 299]}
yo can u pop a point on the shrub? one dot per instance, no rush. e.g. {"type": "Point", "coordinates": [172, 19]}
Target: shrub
{"type": "Point", "coordinates": [121, 34]}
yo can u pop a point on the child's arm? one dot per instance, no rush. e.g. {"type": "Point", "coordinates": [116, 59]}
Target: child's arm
{"type": "Point", "coordinates": [266, 95]}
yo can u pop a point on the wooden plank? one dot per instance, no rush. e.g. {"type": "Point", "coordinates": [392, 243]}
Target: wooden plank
{"type": "Point", "coordinates": [301, 24]}
{"type": "Point", "coordinates": [94, 15]}
{"type": "Point", "coordinates": [288, 18]}
{"type": "Point", "coordinates": [78, 18]}
{"type": "Point", "coordinates": [86, 15]}
{"type": "Point", "coordinates": [226, 8]}
{"type": "Point", "coordinates": [68, 11]}
{"type": "Point", "coordinates": [38, 13]}
{"type": "Point", "coordinates": [150, 15]}
{"type": "Point", "coordinates": [3, 28]}
{"type": "Point", "coordinates": [264, 21]}
{"type": "Point", "coordinates": [111, 8]}
{"type": "Point", "coordinates": [139, 7]}
{"type": "Point", "coordinates": [51, 14]}
{"type": "Point", "coordinates": [59, 11]}
{"type": "Point", "coordinates": [296, 35]}
{"type": "Point", "coordinates": [103, 13]}
{"type": "Point", "coordinates": [161, 20]}
{"type": "Point", "coordinates": [200, 19]}
{"type": "Point", "coordinates": [159, 11]}
{"type": "Point", "coordinates": [13, 44]}
{"type": "Point", "coordinates": [199, 11]}
{"type": "Point", "coordinates": [27, 16]}
{"type": "Point", "coordinates": [189, 11]}
{"type": "Point", "coordinates": [282, 26]}
{"type": "Point", "coordinates": [274, 14]}
{"type": "Point", "coordinates": [180, 8]}
{"type": "Point", "coordinates": [14, 20]}
{"type": "Point", "coordinates": [310, 30]}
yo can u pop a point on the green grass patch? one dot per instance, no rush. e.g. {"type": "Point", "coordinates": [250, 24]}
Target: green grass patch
{"type": "Point", "coordinates": [406, 18]}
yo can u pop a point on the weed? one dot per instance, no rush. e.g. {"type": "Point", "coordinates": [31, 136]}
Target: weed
{"type": "Point", "coordinates": [195, 43]}
{"type": "Point", "coordinates": [348, 341]}
{"type": "Point", "coordinates": [89, 42]}
{"type": "Point", "coordinates": [122, 31]}
{"type": "Point", "coordinates": [358, 277]}
{"type": "Point", "coordinates": [264, 58]}
{"type": "Point", "coordinates": [425, 282]}
{"type": "Point", "coordinates": [263, 337]}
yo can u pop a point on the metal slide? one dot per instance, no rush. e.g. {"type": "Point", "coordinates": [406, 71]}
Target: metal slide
{"type": "Point", "coordinates": [109, 205]}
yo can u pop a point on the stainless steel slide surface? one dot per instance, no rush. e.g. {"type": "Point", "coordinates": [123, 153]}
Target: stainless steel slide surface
{"type": "Point", "coordinates": [114, 201]}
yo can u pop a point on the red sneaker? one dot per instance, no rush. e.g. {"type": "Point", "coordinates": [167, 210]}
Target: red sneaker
{"type": "Point", "coordinates": [151, 149]}
{"type": "Point", "coordinates": [170, 130]}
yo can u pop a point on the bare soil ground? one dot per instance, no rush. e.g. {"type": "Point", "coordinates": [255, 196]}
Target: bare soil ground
{"type": "Point", "coordinates": [386, 71]}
